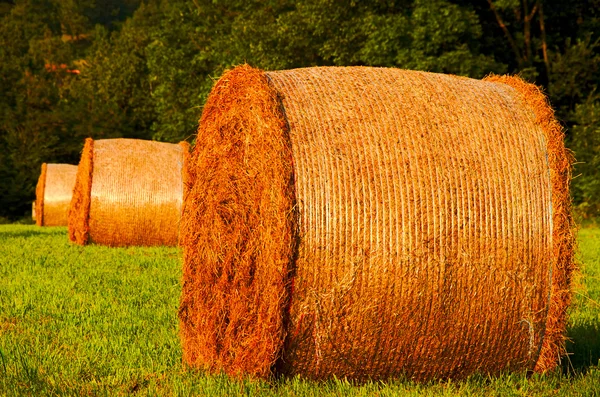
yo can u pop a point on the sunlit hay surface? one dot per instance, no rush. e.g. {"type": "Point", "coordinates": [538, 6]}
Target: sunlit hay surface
{"type": "Point", "coordinates": [39, 195]}
{"type": "Point", "coordinates": [371, 223]}
{"type": "Point", "coordinates": [135, 193]}
{"type": "Point", "coordinates": [238, 229]}
{"type": "Point", "coordinates": [53, 194]}
{"type": "Point", "coordinates": [79, 210]}
{"type": "Point", "coordinates": [563, 228]}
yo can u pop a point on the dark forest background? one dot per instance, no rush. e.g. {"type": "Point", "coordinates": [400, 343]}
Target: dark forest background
{"type": "Point", "coordinates": [71, 69]}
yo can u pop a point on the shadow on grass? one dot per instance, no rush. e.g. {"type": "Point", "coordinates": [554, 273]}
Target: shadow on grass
{"type": "Point", "coordinates": [583, 347]}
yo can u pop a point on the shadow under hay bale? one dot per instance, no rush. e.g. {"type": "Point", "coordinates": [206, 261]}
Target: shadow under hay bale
{"type": "Point", "coordinates": [128, 192]}
{"type": "Point", "coordinates": [53, 194]}
{"type": "Point", "coordinates": [371, 223]}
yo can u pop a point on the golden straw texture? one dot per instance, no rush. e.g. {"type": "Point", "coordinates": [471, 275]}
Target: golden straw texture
{"type": "Point", "coordinates": [563, 231]}
{"type": "Point", "coordinates": [39, 194]}
{"type": "Point", "coordinates": [53, 194]}
{"type": "Point", "coordinates": [79, 211]}
{"type": "Point", "coordinates": [238, 237]}
{"type": "Point", "coordinates": [135, 193]}
{"type": "Point", "coordinates": [422, 240]}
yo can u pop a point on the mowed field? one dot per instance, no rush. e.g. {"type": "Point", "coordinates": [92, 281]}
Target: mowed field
{"type": "Point", "coordinates": [103, 321]}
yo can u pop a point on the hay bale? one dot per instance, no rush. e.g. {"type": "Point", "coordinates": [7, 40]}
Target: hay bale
{"type": "Point", "coordinates": [128, 192]}
{"type": "Point", "coordinates": [33, 210]}
{"type": "Point", "coordinates": [372, 223]}
{"type": "Point", "coordinates": [53, 194]}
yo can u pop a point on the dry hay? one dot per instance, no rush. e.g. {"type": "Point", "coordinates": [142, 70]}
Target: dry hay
{"type": "Point", "coordinates": [372, 223]}
{"type": "Point", "coordinates": [128, 192]}
{"type": "Point", "coordinates": [53, 194]}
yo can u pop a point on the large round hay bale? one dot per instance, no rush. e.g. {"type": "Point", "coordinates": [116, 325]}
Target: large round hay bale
{"type": "Point", "coordinates": [128, 192]}
{"type": "Point", "coordinates": [53, 194]}
{"type": "Point", "coordinates": [371, 223]}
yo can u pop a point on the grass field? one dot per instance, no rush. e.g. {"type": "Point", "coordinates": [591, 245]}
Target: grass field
{"type": "Point", "coordinates": [101, 321]}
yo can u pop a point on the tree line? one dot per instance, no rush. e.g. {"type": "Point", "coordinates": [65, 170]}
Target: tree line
{"type": "Point", "coordinates": [71, 69]}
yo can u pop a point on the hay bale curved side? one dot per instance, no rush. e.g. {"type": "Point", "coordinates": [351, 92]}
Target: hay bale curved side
{"type": "Point", "coordinates": [185, 170]}
{"type": "Point", "coordinates": [79, 210]}
{"type": "Point", "coordinates": [420, 238]}
{"type": "Point", "coordinates": [404, 178]}
{"type": "Point", "coordinates": [53, 194]}
{"type": "Point", "coordinates": [135, 192]}
{"type": "Point", "coordinates": [39, 196]}
{"type": "Point", "coordinates": [238, 230]}
{"type": "Point", "coordinates": [563, 232]}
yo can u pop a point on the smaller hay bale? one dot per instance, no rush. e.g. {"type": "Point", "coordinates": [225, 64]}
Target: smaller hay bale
{"type": "Point", "coordinates": [53, 194]}
{"type": "Point", "coordinates": [128, 192]}
{"type": "Point", "coordinates": [33, 210]}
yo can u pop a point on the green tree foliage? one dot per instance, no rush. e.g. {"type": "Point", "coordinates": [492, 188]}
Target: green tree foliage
{"type": "Point", "coordinates": [113, 91]}
{"type": "Point", "coordinates": [574, 73]}
{"type": "Point", "coordinates": [41, 42]}
{"type": "Point", "coordinates": [196, 40]}
{"type": "Point", "coordinates": [70, 69]}
{"type": "Point", "coordinates": [31, 74]}
{"type": "Point", "coordinates": [181, 61]}
{"type": "Point", "coordinates": [585, 141]}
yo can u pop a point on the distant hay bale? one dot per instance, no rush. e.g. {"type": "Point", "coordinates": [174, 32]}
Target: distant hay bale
{"type": "Point", "coordinates": [128, 192]}
{"type": "Point", "coordinates": [371, 223]}
{"type": "Point", "coordinates": [53, 194]}
{"type": "Point", "coordinates": [33, 210]}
